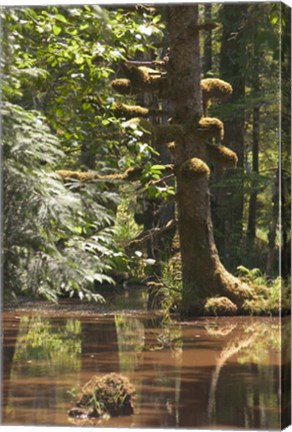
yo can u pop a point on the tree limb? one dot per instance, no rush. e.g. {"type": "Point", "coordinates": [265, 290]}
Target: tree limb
{"type": "Point", "coordinates": [131, 174]}
{"type": "Point", "coordinates": [149, 235]}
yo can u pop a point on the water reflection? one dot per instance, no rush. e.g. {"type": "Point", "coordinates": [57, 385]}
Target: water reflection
{"type": "Point", "coordinates": [217, 373]}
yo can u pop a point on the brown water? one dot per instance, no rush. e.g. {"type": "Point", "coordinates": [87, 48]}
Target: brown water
{"type": "Point", "coordinates": [207, 373]}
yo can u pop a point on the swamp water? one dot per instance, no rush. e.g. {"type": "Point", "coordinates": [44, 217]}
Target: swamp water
{"type": "Point", "coordinates": [206, 373]}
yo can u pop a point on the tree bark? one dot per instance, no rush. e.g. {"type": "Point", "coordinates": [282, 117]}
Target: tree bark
{"type": "Point", "coordinates": [232, 69]}
{"type": "Point", "coordinates": [202, 272]}
{"type": "Point", "coordinates": [273, 229]}
{"type": "Point", "coordinates": [251, 226]}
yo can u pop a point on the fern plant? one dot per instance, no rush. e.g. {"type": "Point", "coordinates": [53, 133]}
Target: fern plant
{"type": "Point", "coordinates": [56, 237]}
{"type": "Point", "coordinates": [272, 296]}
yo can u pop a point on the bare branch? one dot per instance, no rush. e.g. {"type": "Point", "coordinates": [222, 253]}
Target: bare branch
{"type": "Point", "coordinates": [149, 235]}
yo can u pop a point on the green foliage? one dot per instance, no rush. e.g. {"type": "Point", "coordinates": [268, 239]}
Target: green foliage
{"type": "Point", "coordinates": [56, 238]}
{"type": "Point", "coordinates": [269, 296]}
{"type": "Point", "coordinates": [169, 290]}
{"type": "Point", "coordinates": [65, 69]}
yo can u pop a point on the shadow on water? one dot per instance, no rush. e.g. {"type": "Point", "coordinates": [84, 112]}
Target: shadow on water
{"type": "Point", "coordinates": [208, 373]}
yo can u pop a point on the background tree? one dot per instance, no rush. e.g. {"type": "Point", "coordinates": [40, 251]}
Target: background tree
{"type": "Point", "coordinates": [232, 69]}
{"type": "Point", "coordinates": [207, 60]}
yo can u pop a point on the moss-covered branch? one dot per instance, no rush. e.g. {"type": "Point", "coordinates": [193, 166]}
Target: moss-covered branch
{"type": "Point", "coordinates": [214, 89]}
{"type": "Point", "coordinates": [132, 111]}
{"type": "Point", "coordinates": [140, 79]}
{"type": "Point", "coordinates": [130, 174]}
{"type": "Point", "coordinates": [222, 155]}
{"type": "Point", "coordinates": [211, 127]}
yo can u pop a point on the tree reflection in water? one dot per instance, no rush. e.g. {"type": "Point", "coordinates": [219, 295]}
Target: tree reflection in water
{"type": "Point", "coordinates": [211, 372]}
{"type": "Point", "coordinates": [252, 349]}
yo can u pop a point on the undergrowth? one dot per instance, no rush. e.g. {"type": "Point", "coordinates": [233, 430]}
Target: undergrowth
{"type": "Point", "coordinates": [270, 297]}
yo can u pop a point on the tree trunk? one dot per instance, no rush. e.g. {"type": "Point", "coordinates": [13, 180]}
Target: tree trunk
{"type": "Point", "coordinates": [251, 226]}
{"type": "Point", "coordinates": [202, 272]}
{"type": "Point", "coordinates": [286, 143]}
{"type": "Point", "coordinates": [232, 69]}
{"type": "Point", "coordinates": [273, 229]}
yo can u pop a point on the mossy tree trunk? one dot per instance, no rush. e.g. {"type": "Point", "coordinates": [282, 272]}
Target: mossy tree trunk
{"type": "Point", "coordinates": [202, 272]}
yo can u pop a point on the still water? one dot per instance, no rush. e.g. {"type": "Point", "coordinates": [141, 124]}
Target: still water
{"type": "Point", "coordinates": [206, 373]}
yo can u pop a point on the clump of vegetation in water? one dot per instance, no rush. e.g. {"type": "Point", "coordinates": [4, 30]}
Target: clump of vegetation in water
{"type": "Point", "coordinates": [220, 306]}
{"type": "Point", "coordinates": [269, 296]}
{"type": "Point", "coordinates": [106, 396]}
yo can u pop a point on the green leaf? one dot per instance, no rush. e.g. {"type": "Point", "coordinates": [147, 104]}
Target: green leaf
{"type": "Point", "coordinates": [61, 18]}
{"type": "Point", "coordinates": [79, 59]}
{"type": "Point", "coordinates": [56, 29]}
{"type": "Point", "coordinates": [157, 167]}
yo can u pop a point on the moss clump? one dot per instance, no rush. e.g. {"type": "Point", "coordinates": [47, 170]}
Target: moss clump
{"type": "Point", "coordinates": [172, 148]}
{"type": "Point", "coordinates": [106, 396]}
{"type": "Point", "coordinates": [211, 127]}
{"type": "Point", "coordinates": [130, 111]}
{"type": "Point", "coordinates": [78, 175]}
{"type": "Point", "coordinates": [165, 133]}
{"type": "Point", "coordinates": [122, 86]}
{"type": "Point", "coordinates": [222, 155]}
{"type": "Point", "coordinates": [215, 89]}
{"type": "Point", "coordinates": [142, 75]}
{"type": "Point", "coordinates": [220, 306]}
{"type": "Point", "coordinates": [139, 79]}
{"type": "Point", "coordinates": [194, 168]}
